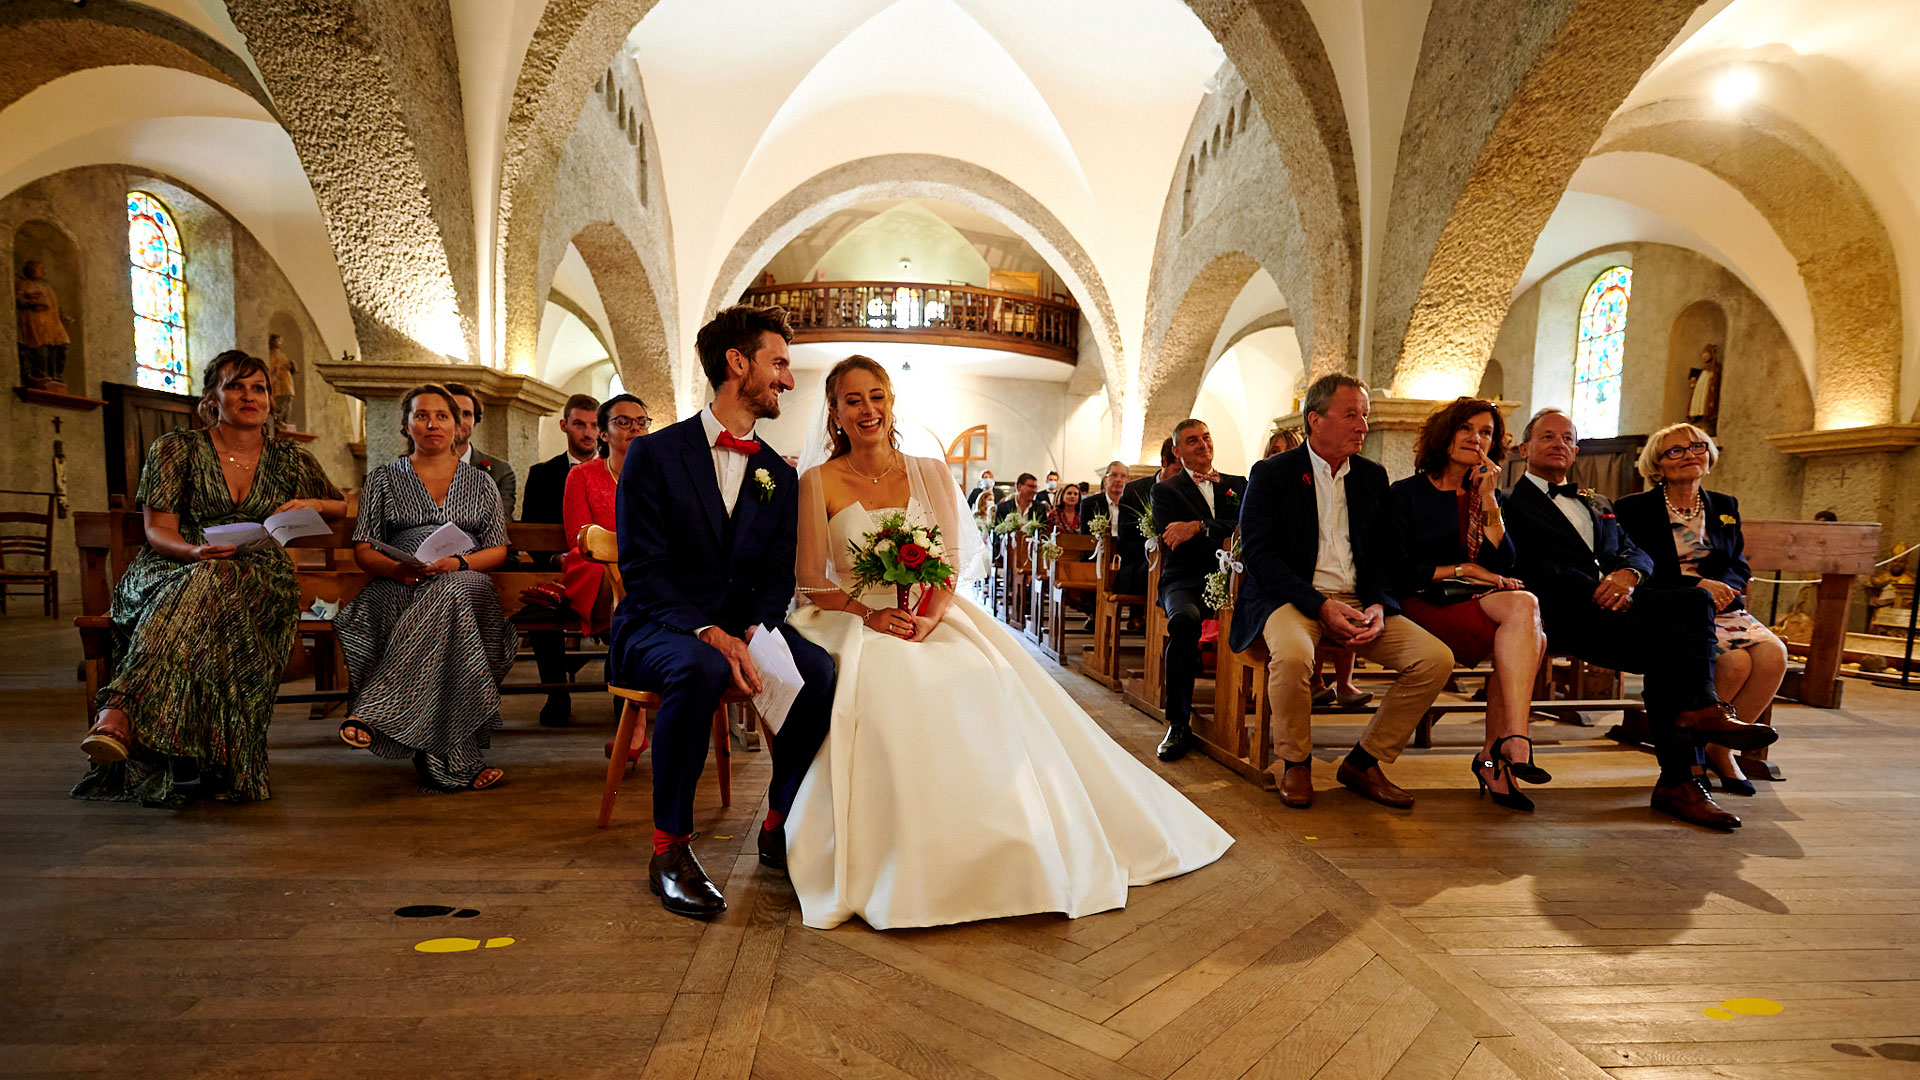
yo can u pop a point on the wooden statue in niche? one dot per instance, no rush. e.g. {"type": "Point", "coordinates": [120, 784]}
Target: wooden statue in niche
{"type": "Point", "coordinates": [43, 332]}
{"type": "Point", "coordinates": [280, 372]}
{"type": "Point", "coordinates": [1703, 390]}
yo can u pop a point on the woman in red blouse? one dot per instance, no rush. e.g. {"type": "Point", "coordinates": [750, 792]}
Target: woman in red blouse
{"type": "Point", "coordinates": [589, 501]}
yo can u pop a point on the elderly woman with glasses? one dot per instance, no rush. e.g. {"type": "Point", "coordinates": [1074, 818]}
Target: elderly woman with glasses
{"type": "Point", "coordinates": [1693, 536]}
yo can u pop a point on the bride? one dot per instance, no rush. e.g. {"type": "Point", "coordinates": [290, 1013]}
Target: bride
{"type": "Point", "coordinates": [958, 781]}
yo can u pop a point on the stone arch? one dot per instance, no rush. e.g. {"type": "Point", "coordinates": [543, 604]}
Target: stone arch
{"type": "Point", "coordinates": [360, 83]}
{"type": "Point", "coordinates": [44, 40]}
{"type": "Point", "coordinates": [1823, 217]}
{"type": "Point", "coordinates": [633, 316]}
{"type": "Point", "coordinates": [1506, 101]}
{"type": "Point", "coordinates": [1169, 389]}
{"type": "Point", "coordinates": [1277, 51]}
{"type": "Point", "coordinates": [896, 176]}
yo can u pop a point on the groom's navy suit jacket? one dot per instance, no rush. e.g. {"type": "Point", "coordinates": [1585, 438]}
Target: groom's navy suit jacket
{"type": "Point", "coordinates": [686, 564]}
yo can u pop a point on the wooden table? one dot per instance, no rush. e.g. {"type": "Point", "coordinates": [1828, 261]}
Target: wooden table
{"type": "Point", "coordinates": [1838, 551]}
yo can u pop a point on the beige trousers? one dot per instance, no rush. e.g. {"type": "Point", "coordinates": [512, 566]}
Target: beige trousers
{"type": "Point", "coordinates": [1423, 661]}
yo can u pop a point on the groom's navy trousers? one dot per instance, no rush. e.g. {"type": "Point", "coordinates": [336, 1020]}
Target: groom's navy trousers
{"type": "Point", "coordinates": [688, 563]}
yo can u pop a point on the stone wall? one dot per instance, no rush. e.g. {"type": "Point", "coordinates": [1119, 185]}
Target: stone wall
{"type": "Point", "coordinates": [86, 208]}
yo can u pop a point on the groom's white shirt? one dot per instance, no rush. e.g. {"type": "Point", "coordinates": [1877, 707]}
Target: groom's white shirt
{"type": "Point", "coordinates": [729, 466]}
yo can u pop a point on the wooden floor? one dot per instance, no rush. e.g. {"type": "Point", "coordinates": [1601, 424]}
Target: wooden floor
{"type": "Point", "coordinates": [1457, 940]}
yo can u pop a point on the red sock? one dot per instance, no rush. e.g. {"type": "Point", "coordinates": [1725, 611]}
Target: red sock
{"type": "Point", "coordinates": [775, 819]}
{"type": "Point", "coordinates": [662, 841]}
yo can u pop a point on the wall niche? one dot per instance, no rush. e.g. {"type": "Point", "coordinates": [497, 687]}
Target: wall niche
{"type": "Point", "coordinates": [46, 243]}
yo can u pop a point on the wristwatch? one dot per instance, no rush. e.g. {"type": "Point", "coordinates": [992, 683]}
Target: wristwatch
{"type": "Point", "coordinates": [462, 560]}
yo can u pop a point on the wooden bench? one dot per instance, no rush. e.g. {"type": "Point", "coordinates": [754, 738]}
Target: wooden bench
{"type": "Point", "coordinates": [1148, 693]}
{"type": "Point", "coordinates": [1838, 551]}
{"type": "Point", "coordinates": [1013, 570]}
{"type": "Point", "coordinates": [1071, 575]}
{"type": "Point", "coordinates": [1110, 607]}
{"type": "Point", "coordinates": [324, 569]}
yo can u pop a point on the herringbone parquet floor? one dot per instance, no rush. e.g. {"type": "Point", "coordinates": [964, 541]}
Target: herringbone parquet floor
{"type": "Point", "coordinates": [1457, 940]}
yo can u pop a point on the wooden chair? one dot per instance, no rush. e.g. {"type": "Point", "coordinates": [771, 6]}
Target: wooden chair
{"type": "Point", "coordinates": [599, 545]}
{"type": "Point", "coordinates": [1037, 594]}
{"type": "Point", "coordinates": [1015, 571]}
{"type": "Point", "coordinates": [1109, 614]}
{"type": "Point", "coordinates": [1072, 574]}
{"type": "Point", "coordinates": [1239, 733]}
{"type": "Point", "coordinates": [29, 545]}
{"type": "Point", "coordinates": [1148, 693]}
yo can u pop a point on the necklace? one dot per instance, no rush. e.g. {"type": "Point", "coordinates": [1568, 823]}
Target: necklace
{"type": "Point", "coordinates": [231, 459]}
{"type": "Point", "coordinates": [1679, 511]}
{"type": "Point", "coordinates": [875, 479]}
{"type": "Point", "coordinates": [607, 464]}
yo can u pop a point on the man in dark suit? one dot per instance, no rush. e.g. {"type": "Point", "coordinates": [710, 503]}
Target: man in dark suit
{"type": "Point", "coordinates": [707, 518]}
{"type": "Point", "coordinates": [1049, 492]}
{"type": "Point", "coordinates": [472, 412]}
{"type": "Point", "coordinates": [1195, 512]}
{"type": "Point", "coordinates": [1023, 501]}
{"type": "Point", "coordinates": [546, 491]}
{"type": "Point", "coordinates": [1136, 501]}
{"type": "Point", "coordinates": [1106, 501]}
{"type": "Point", "coordinates": [1323, 551]}
{"type": "Point", "coordinates": [547, 481]}
{"type": "Point", "coordinates": [1589, 576]}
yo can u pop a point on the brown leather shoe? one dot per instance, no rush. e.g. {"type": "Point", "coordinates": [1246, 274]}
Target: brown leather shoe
{"type": "Point", "coordinates": [1373, 784]}
{"type": "Point", "coordinates": [1719, 724]}
{"type": "Point", "coordinates": [1296, 785]}
{"type": "Point", "coordinates": [1690, 803]}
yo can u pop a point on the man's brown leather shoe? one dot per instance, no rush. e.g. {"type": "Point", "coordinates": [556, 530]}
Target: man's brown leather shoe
{"type": "Point", "coordinates": [1717, 723]}
{"type": "Point", "coordinates": [1373, 784]}
{"type": "Point", "coordinates": [1296, 785]}
{"type": "Point", "coordinates": [1690, 803]}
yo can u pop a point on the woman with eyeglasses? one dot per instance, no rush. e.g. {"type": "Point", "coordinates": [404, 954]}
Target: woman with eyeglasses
{"type": "Point", "coordinates": [589, 500]}
{"type": "Point", "coordinates": [1693, 536]}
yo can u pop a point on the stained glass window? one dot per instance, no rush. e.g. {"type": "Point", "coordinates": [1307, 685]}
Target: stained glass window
{"type": "Point", "coordinates": [1597, 362]}
{"type": "Point", "coordinates": [159, 295]}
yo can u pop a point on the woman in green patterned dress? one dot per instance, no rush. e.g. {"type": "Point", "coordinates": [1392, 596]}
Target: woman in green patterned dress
{"type": "Point", "coordinates": [201, 632]}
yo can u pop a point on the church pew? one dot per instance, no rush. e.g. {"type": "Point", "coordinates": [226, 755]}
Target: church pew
{"type": "Point", "coordinates": [1071, 576]}
{"type": "Point", "coordinates": [1034, 599]}
{"type": "Point", "coordinates": [1110, 607]}
{"type": "Point", "coordinates": [323, 568]}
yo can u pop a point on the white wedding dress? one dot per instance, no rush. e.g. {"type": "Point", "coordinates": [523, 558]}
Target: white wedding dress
{"type": "Point", "coordinates": [958, 780]}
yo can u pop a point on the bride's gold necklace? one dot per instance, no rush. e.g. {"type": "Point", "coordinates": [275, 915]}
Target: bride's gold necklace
{"type": "Point", "coordinates": [892, 464]}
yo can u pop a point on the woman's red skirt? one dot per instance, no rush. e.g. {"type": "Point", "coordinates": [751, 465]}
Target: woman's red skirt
{"type": "Point", "coordinates": [1464, 627]}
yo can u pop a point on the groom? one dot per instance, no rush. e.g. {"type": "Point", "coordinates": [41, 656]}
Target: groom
{"type": "Point", "coordinates": [707, 517]}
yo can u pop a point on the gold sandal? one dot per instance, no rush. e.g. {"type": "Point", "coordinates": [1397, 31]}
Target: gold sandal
{"type": "Point", "coordinates": [104, 746]}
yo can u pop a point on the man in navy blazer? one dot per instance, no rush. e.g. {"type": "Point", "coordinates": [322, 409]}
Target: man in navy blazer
{"type": "Point", "coordinates": [1196, 511]}
{"type": "Point", "coordinates": [707, 518]}
{"type": "Point", "coordinates": [1596, 603]}
{"type": "Point", "coordinates": [1322, 550]}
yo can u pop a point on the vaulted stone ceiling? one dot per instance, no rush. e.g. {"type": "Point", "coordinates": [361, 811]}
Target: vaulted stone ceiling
{"type": "Point", "coordinates": [421, 169]}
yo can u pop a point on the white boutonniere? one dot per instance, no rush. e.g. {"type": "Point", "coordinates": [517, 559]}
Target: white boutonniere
{"type": "Point", "coordinates": [764, 480]}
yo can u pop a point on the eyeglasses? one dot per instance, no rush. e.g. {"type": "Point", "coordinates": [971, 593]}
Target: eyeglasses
{"type": "Point", "coordinates": [630, 423]}
{"type": "Point", "coordinates": [1675, 453]}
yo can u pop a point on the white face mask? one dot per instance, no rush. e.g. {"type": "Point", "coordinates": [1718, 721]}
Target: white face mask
{"type": "Point", "coordinates": [1051, 484]}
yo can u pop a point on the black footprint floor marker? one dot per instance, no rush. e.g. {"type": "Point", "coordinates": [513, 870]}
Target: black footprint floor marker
{"type": "Point", "coordinates": [431, 911]}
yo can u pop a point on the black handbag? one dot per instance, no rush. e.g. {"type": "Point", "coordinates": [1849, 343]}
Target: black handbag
{"type": "Point", "coordinates": [1449, 591]}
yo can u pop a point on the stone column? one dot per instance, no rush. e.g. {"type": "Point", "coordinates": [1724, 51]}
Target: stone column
{"type": "Point", "coordinates": [516, 406]}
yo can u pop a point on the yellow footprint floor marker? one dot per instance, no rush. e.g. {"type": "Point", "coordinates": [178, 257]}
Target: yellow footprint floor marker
{"type": "Point", "coordinates": [460, 944]}
{"type": "Point", "coordinates": [1743, 1006]}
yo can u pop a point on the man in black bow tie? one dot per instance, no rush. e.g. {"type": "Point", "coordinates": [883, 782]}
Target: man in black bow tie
{"type": "Point", "coordinates": [1196, 512]}
{"type": "Point", "coordinates": [1577, 559]}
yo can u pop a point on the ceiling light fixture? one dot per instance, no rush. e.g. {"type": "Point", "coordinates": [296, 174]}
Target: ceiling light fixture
{"type": "Point", "coordinates": [1736, 88]}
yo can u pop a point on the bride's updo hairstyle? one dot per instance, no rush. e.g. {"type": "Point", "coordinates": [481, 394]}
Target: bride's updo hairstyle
{"type": "Point", "coordinates": [838, 438]}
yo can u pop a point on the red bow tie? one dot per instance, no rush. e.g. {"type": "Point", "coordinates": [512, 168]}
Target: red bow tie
{"type": "Point", "coordinates": [1205, 477]}
{"type": "Point", "coordinates": [726, 441]}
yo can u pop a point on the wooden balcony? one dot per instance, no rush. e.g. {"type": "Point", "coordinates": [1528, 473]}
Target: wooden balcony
{"type": "Point", "coordinates": [919, 313]}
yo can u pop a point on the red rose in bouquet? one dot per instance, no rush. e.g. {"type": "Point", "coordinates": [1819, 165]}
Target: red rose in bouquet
{"type": "Point", "coordinates": [912, 555]}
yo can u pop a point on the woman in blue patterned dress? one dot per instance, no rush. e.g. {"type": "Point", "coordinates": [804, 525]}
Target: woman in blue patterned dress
{"type": "Point", "coordinates": [1693, 536]}
{"type": "Point", "coordinates": [202, 631]}
{"type": "Point", "coordinates": [426, 649]}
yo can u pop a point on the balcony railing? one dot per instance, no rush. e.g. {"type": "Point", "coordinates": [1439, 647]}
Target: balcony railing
{"type": "Point", "coordinates": [926, 314]}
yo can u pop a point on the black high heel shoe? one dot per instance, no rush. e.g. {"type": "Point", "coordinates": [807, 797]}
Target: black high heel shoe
{"type": "Point", "coordinates": [1525, 770]}
{"type": "Point", "coordinates": [1511, 798]}
{"type": "Point", "coordinates": [1732, 785]}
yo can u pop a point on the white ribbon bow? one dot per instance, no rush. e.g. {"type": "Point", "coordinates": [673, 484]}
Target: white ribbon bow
{"type": "Point", "coordinates": [1227, 562]}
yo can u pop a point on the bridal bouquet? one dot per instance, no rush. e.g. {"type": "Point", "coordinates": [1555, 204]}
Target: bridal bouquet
{"type": "Point", "coordinates": [900, 555]}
